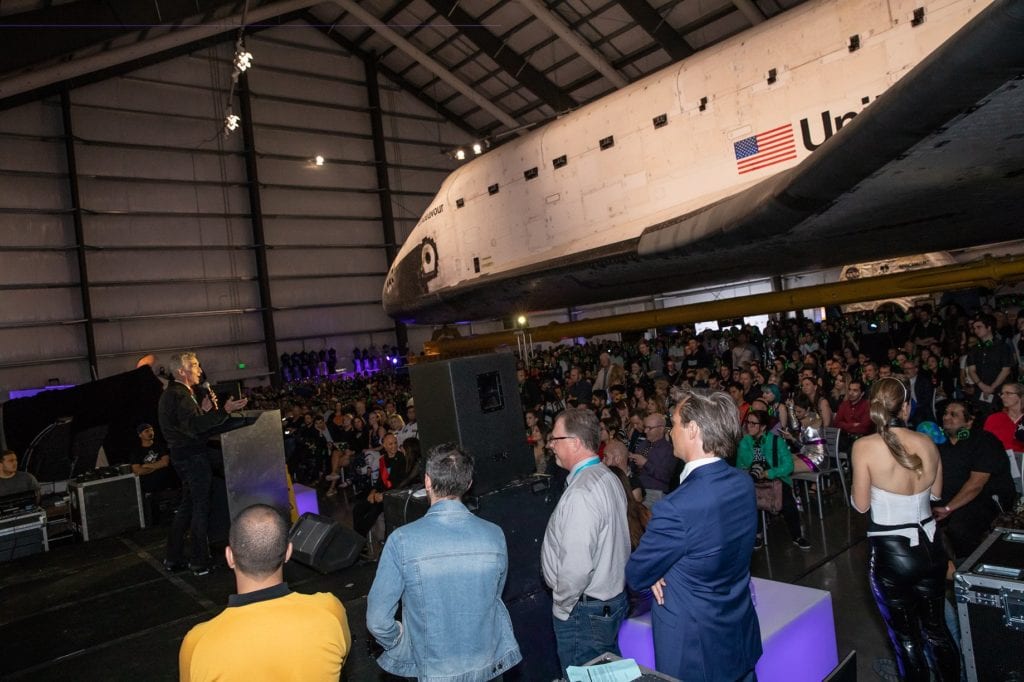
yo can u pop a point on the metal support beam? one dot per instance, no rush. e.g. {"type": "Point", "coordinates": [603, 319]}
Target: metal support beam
{"type": "Point", "coordinates": [655, 25]}
{"type": "Point", "coordinates": [538, 9]}
{"type": "Point", "coordinates": [429, 64]}
{"type": "Point", "coordinates": [99, 61]}
{"type": "Point", "coordinates": [393, 76]}
{"type": "Point", "coordinates": [259, 238]}
{"type": "Point", "coordinates": [504, 56]}
{"type": "Point", "coordinates": [380, 157]}
{"type": "Point", "coordinates": [988, 272]}
{"type": "Point", "coordinates": [751, 11]}
{"type": "Point", "coordinates": [76, 218]}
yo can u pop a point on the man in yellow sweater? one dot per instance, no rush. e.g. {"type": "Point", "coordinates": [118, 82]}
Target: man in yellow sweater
{"type": "Point", "coordinates": [267, 632]}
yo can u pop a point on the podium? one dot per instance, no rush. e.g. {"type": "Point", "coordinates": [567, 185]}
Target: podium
{"type": "Point", "coordinates": [254, 468]}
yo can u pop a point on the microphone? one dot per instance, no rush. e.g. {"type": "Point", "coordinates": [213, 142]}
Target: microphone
{"type": "Point", "coordinates": [209, 391]}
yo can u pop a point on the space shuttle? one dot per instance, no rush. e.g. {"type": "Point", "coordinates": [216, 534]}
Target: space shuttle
{"type": "Point", "coordinates": [836, 132]}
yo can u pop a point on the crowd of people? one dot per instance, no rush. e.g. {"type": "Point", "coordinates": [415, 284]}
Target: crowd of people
{"type": "Point", "coordinates": [654, 439]}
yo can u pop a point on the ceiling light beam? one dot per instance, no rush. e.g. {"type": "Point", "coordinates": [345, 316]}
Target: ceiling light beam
{"type": "Point", "coordinates": [426, 62]}
{"type": "Point", "coordinates": [538, 9]}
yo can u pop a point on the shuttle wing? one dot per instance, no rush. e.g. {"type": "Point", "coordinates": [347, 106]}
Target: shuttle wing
{"type": "Point", "coordinates": [940, 153]}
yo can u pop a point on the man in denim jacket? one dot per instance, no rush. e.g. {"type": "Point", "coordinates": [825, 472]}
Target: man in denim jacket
{"type": "Point", "coordinates": [448, 570]}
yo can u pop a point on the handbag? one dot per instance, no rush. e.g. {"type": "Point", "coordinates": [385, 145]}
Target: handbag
{"type": "Point", "coordinates": [768, 493]}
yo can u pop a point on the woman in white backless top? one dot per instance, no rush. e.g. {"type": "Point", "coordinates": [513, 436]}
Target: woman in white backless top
{"type": "Point", "coordinates": [896, 472]}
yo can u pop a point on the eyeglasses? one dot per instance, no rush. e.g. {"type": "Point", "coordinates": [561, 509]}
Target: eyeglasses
{"type": "Point", "coordinates": [1009, 393]}
{"type": "Point", "coordinates": [651, 428]}
{"type": "Point", "coordinates": [554, 438]}
{"type": "Point", "coordinates": [752, 423]}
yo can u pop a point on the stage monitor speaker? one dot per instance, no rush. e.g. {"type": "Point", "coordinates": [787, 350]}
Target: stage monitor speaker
{"type": "Point", "coordinates": [474, 402]}
{"type": "Point", "coordinates": [323, 545]}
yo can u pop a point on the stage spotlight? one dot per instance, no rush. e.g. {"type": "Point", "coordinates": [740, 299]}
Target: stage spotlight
{"type": "Point", "coordinates": [521, 320]}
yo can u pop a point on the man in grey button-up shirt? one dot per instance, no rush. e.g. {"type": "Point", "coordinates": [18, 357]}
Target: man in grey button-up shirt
{"type": "Point", "coordinates": [586, 545]}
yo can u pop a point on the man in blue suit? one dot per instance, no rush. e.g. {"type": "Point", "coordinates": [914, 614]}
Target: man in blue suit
{"type": "Point", "coordinates": [695, 553]}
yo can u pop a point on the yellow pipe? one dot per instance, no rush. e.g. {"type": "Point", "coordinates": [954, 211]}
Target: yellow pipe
{"type": "Point", "coordinates": [987, 272]}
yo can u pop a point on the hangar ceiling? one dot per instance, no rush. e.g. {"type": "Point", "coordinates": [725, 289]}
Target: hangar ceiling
{"type": "Point", "coordinates": [492, 68]}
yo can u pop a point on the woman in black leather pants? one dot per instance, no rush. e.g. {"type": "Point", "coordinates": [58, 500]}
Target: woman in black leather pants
{"type": "Point", "coordinates": [908, 563]}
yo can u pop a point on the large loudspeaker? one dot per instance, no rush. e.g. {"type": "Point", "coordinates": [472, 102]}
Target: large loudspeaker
{"type": "Point", "coordinates": [474, 402]}
{"type": "Point", "coordinates": [320, 543]}
{"type": "Point", "coordinates": [522, 510]}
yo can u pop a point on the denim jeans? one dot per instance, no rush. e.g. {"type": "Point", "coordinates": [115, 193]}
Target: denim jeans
{"type": "Point", "coordinates": [591, 630]}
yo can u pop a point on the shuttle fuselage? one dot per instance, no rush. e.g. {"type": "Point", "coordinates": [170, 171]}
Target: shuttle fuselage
{"type": "Point", "coordinates": [582, 190]}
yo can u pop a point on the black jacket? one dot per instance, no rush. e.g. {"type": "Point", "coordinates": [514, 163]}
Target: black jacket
{"type": "Point", "coordinates": [182, 423]}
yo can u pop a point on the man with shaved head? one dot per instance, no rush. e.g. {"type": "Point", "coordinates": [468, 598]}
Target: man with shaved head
{"type": "Point", "coordinates": [267, 631]}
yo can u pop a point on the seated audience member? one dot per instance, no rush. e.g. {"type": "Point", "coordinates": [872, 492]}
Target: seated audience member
{"type": "Point", "coordinates": [13, 481]}
{"type": "Point", "coordinates": [413, 464]}
{"type": "Point", "coordinates": [735, 391]}
{"type": "Point", "coordinates": [1007, 424]}
{"type": "Point", "coordinates": [654, 460]}
{"type": "Point", "coordinates": [617, 456]}
{"type": "Point", "coordinates": [976, 480]}
{"type": "Point", "coordinates": [853, 417]}
{"type": "Point", "coordinates": [341, 459]}
{"type": "Point", "coordinates": [151, 462]}
{"type": "Point", "coordinates": [922, 393]}
{"type": "Point", "coordinates": [393, 470]}
{"type": "Point", "coordinates": [771, 394]}
{"type": "Point", "coordinates": [410, 429]}
{"type": "Point", "coordinates": [267, 632]}
{"type": "Point", "coordinates": [767, 457]}
{"type": "Point", "coordinates": [808, 437]}
{"type": "Point", "coordinates": [446, 571]}
{"type": "Point", "coordinates": [819, 403]}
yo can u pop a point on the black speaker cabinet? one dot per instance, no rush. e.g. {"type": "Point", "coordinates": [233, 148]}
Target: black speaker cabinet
{"type": "Point", "coordinates": [474, 402]}
{"type": "Point", "coordinates": [323, 545]}
{"type": "Point", "coordinates": [522, 509]}
{"type": "Point", "coordinates": [103, 507]}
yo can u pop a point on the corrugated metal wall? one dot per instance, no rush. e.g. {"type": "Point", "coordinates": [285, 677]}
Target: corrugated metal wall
{"type": "Point", "coordinates": [165, 212]}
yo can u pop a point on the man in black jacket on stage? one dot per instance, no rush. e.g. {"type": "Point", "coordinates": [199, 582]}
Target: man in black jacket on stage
{"type": "Point", "coordinates": [185, 421]}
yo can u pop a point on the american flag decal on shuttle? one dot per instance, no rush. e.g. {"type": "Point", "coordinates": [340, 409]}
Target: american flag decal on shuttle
{"type": "Point", "coordinates": [765, 149]}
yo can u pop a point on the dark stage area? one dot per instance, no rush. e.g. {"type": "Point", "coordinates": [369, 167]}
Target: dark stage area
{"type": "Point", "coordinates": [106, 609]}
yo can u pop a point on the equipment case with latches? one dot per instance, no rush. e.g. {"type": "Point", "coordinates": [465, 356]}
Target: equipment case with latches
{"type": "Point", "coordinates": [990, 607]}
{"type": "Point", "coordinates": [22, 533]}
{"type": "Point", "coordinates": [103, 507]}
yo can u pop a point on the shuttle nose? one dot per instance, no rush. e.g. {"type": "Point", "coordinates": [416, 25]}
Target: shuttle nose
{"type": "Point", "coordinates": [403, 285]}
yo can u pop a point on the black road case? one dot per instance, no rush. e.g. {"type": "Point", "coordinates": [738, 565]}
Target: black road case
{"type": "Point", "coordinates": [990, 607]}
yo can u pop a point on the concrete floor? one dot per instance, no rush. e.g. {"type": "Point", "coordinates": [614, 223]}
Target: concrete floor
{"type": "Point", "coordinates": [106, 609]}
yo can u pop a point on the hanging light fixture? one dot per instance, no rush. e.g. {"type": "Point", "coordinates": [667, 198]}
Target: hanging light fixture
{"type": "Point", "coordinates": [243, 58]}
